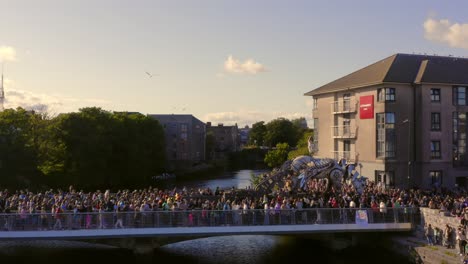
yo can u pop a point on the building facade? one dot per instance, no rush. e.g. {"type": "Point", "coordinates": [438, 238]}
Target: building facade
{"type": "Point", "coordinates": [403, 119]}
{"type": "Point", "coordinates": [185, 140]}
{"type": "Point", "coordinates": [226, 140]}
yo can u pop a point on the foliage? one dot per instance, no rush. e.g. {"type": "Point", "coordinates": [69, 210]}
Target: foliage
{"type": "Point", "coordinates": [90, 148]}
{"type": "Point", "coordinates": [302, 146]}
{"type": "Point", "coordinates": [277, 156]}
{"type": "Point", "coordinates": [257, 134]}
{"type": "Point", "coordinates": [281, 130]}
{"type": "Point", "coordinates": [19, 140]}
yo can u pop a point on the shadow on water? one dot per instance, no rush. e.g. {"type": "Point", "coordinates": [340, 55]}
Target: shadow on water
{"type": "Point", "coordinates": [248, 249]}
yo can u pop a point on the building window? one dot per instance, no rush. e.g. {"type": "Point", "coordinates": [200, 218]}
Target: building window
{"type": "Point", "coordinates": [385, 177]}
{"type": "Point", "coordinates": [315, 146]}
{"type": "Point", "coordinates": [315, 104]}
{"type": "Point", "coordinates": [385, 135]}
{"type": "Point", "coordinates": [183, 128]}
{"type": "Point", "coordinates": [459, 157]}
{"type": "Point", "coordinates": [436, 177]}
{"type": "Point", "coordinates": [435, 150]}
{"type": "Point", "coordinates": [386, 95]}
{"type": "Point", "coordinates": [459, 95]}
{"type": "Point", "coordinates": [435, 121]}
{"type": "Point", "coordinates": [435, 95]}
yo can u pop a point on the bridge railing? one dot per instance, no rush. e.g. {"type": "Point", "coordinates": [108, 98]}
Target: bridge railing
{"type": "Point", "coordinates": [199, 218]}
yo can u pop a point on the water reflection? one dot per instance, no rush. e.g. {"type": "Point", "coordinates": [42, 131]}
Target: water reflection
{"type": "Point", "coordinates": [226, 249]}
{"type": "Point", "coordinates": [237, 179]}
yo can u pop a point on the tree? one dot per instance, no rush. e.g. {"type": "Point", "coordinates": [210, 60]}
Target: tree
{"type": "Point", "coordinates": [276, 157]}
{"type": "Point", "coordinates": [257, 134]}
{"type": "Point", "coordinates": [302, 146]}
{"type": "Point", "coordinates": [281, 130]}
{"type": "Point", "coordinates": [19, 130]}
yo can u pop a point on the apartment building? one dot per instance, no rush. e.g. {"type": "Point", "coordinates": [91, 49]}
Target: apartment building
{"type": "Point", "coordinates": [404, 119]}
{"type": "Point", "coordinates": [226, 140]}
{"type": "Point", "coordinates": [185, 140]}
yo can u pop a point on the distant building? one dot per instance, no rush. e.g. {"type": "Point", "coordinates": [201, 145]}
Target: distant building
{"type": "Point", "coordinates": [244, 136]}
{"type": "Point", "coordinates": [185, 140]}
{"type": "Point", "coordinates": [405, 117]}
{"type": "Point", "coordinates": [226, 139]}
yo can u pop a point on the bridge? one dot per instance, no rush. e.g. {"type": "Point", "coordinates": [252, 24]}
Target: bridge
{"type": "Point", "coordinates": [95, 225]}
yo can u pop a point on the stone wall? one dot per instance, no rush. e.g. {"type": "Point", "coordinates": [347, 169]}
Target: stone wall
{"type": "Point", "coordinates": [438, 219]}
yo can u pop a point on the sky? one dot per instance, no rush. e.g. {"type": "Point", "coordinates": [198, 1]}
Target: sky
{"type": "Point", "coordinates": [222, 61]}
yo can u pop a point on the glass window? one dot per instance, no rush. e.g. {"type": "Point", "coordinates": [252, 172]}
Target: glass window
{"type": "Point", "coordinates": [435, 150]}
{"type": "Point", "coordinates": [316, 134]}
{"type": "Point", "coordinates": [435, 95]}
{"type": "Point", "coordinates": [385, 135]}
{"type": "Point", "coordinates": [386, 95]}
{"type": "Point", "coordinates": [459, 95]}
{"type": "Point", "coordinates": [435, 121]}
{"type": "Point", "coordinates": [315, 104]}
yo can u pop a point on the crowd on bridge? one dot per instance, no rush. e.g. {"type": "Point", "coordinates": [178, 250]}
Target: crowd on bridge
{"type": "Point", "coordinates": [71, 208]}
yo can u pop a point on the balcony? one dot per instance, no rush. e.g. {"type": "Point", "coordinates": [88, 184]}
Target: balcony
{"type": "Point", "coordinates": [344, 106]}
{"type": "Point", "coordinates": [347, 155]}
{"type": "Point", "coordinates": [343, 131]}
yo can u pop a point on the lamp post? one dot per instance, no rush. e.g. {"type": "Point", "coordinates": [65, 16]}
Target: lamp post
{"type": "Point", "coordinates": [409, 150]}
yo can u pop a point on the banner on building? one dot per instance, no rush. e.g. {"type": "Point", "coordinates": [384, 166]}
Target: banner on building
{"type": "Point", "coordinates": [366, 107]}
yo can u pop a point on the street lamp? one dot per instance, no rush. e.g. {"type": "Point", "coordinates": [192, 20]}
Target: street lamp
{"type": "Point", "coordinates": [409, 149]}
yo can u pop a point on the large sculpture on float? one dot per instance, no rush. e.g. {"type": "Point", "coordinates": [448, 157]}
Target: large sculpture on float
{"type": "Point", "coordinates": [299, 171]}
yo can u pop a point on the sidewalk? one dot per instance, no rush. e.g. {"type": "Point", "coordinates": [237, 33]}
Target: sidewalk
{"type": "Point", "coordinates": [436, 254]}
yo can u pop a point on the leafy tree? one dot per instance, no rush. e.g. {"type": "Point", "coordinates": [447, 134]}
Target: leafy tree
{"type": "Point", "coordinates": [276, 157]}
{"type": "Point", "coordinates": [257, 134]}
{"type": "Point", "coordinates": [19, 130]}
{"type": "Point", "coordinates": [302, 146]}
{"type": "Point", "coordinates": [281, 130]}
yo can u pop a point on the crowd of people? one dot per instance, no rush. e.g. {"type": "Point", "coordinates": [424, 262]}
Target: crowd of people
{"type": "Point", "coordinates": [72, 208]}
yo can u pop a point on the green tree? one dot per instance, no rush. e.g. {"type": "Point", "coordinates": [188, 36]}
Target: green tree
{"type": "Point", "coordinates": [281, 130]}
{"type": "Point", "coordinates": [257, 134]}
{"type": "Point", "coordinates": [19, 133]}
{"type": "Point", "coordinates": [276, 157]}
{"type": "Point", "coordinates": [302, 146]}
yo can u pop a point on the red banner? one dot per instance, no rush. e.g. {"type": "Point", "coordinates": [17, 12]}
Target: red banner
{"type": "Point", "coordinates": [366, 107]}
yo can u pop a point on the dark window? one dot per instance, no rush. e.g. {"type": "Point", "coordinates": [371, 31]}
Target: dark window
{"type": "Point", "coordinates": [435, 150]}
{"type": "Point", "coordinates": [387, 177]}
{"type": "Point", "coordinates": [436, 177]}
{"type": "Point", "coordinates": [435, 95]}
{"type": "Point", "coordinates": [386, 95]}
{"type": "Point", "coordinates": [435, 121]}
{"type": "Point", "coordinates": [459, 95]}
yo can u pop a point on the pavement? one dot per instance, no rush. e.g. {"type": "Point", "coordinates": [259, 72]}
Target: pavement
{"type": "Point", "coordinates": [429, 254]}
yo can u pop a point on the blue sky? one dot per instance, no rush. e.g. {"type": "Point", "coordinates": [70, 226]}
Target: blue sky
{"type": "Point", "coordinates": [222, 61]}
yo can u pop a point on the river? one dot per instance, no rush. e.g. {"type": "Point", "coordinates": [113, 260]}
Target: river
{"type": "Point", "coordinates": [249, 249]}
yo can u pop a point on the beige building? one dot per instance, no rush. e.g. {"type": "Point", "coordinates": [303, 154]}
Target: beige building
{"type": "Point", "coordinates": [403, 118]}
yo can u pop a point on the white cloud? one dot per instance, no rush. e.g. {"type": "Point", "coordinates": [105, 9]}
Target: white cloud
{"type": "Point", "coordinates": [249, 117]}
{"type": "Point", "coordinates": [232, 65]}
{"type": "Point", "coordinates": [7, 53]}
{"type": "Point", "coordinates": [52, 104]}
{"type": "Point", "coordinates": [444, 31]}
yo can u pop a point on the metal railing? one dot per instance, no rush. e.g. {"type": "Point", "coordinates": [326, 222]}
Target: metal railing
{"type": "Point", "coordinates": [343, 131]}
{"type": "Point", "coordinates": [344, 106]}
{"type": "Point", "coordinates": [201, 218]}
{"type": "Point", "coordinates": [348, 155]}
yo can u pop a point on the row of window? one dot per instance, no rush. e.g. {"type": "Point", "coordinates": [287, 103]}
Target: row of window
{"type": "Point", "coordinates": [388, 177]}
{"type": "Point", "coordinates": [459, 95]}
{"type": "Point", "coordinates": [388, 94]}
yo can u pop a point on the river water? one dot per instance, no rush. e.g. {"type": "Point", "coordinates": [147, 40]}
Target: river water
{"type": "Point", "coordinates": [249, 249]}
